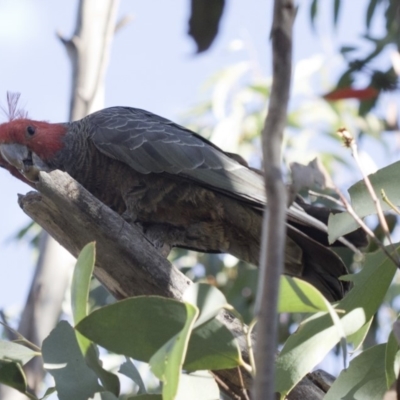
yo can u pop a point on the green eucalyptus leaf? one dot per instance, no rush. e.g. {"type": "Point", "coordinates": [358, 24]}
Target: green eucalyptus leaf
{"type": "Point", "coordinates": [129, 369]}
{"type": "Point", "coordinates": [392, 360]}
{"type": "Point", "coordinates": [364, 379]}
{"type": "Point", "coordinates": [48, 393]}
{"type": "Point", "coordinates": [12, 374]}
{"type": "Point", "coordinates": [109, 380]}
{"type": "Point", "coordinates": [317, 335]}
{"type": "Point", "coordinates": [204, 21]}
{"type": "Point", "coordinates": [81, 278]}
{"type": "Point", "coordinates": [298, 296]}
{"type": "Point", "coordinates": [199, 385]}
{"type": "Point", "coordinates": [104, 396]}
{"type": "Point", "coordinates": [366, 106]}
{"type": "Point", "coordinates": [80, 288]}
{"type": "Point", "coordinates": [357, 339]}
{"type": "Point", "coordinates": [370, 12]}
{"type": "Point", "coordinates": [313, 12]}
{"type": "Point", "coordinates": [336, 9]}
{"type": "Point", "coordinates": [139, 326]}
{"type": "Point", "coordinates": [10, 351]}
{"type": "Point", "coordinates": [167, 362]}
{"type": "Point", "coordinates": [212, 347]}
{"type": "Point", "coordinates": [65, 362]}
{"type": "Point", "coordinates": [346, 79]}
{"type": "Point", "coordinates": [208, 299]}
{"type": "Point", "coordinates": [135, 327]}
{"type": "Point", "coordinates": [347, 49]}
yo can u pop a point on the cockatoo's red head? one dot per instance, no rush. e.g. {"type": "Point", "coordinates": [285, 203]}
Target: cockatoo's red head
{"type": "Point", "coordinates": [27, 145]}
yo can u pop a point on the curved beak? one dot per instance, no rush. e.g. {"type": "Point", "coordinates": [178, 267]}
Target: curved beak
{"type": "Point", "coordinates": [14, 154]}
{"type": "Point", "coordinates": [23, 159]}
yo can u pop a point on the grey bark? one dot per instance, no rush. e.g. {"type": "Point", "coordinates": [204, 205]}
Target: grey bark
{"type": "Point", "coordinates": [127, 264]}
{"type": "Point", "coordinates": [274, 227]}
{"type": "Point", "coordinates": [89, 52]}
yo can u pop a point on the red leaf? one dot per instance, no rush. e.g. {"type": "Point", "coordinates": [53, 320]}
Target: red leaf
{"type": "Point", "coordinates": [351, 93]}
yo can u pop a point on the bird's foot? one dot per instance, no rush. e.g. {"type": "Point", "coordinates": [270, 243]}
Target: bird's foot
{"type": "Point", "coordinates": [158, 236]}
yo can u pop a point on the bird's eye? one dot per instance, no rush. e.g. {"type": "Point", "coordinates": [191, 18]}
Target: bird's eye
{"type": "Point", "coordinates": [30, 130]}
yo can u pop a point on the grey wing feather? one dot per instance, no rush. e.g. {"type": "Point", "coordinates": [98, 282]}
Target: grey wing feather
{"type": "Point", "coordinates": [152, 144]}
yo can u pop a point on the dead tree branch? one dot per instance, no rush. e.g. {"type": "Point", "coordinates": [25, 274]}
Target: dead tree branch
{"type": "Point", "coordinates": [126, 261]}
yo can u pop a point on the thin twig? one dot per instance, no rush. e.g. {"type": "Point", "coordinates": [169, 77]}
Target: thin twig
{"type": "Point", "coordinates": [373, 195]}
{"type": "Point", "coordinates": [250, 345]}
{"type": "Point", "coordinates": [323, 227]}
{"type": "Point", "coordinates": [389, 203]}
{"type": "Point", "coordinates": [247, 332]}
{"type": "Point", "coordinates": [123, 22]}
{"type": "Point", "coordinates": [225, 387]}
{"type": "Point", "coordinates": [363, 225]}
{"type": "Point", "coordinates": [339, 203]}
{"type": "Point", "coordinates": [325, 196]}
{"type": "Point", "coordinates": [23, 340]}
{"type": "Point", "coordinates": [9, 334]}
{"type": "Point", "coordinates": [244, 391]}
{"type": "Point", "coordinates": [344, 202]}
{"type": "Point", "coordinates": [30, 395]}
{"type": "Point", "coordinates": [274, 227]}
{"type": "Point", "coordinates": [352, 144]}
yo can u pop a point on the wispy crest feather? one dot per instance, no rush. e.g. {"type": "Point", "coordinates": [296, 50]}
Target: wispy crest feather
{"type": "Point", "coordinates": [12, 111]}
